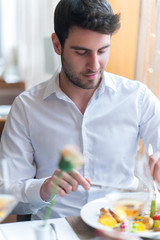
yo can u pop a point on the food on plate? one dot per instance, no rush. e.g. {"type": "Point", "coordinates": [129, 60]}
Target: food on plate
{"type": "Point", "coordinates": [104, 212]}
{"type": "Point", "coordinates": [153, 208]}
{"type": "Point", "coordinates": [114, 215]}
{"type": "Point", "coordinates": [139, 226]}
{"type": "Point", "coordinates": [143, 222]}
{"type": "Point", "coordinates": [156, 224]}
{"type": "Point", "coordinates": [106, 218]}
{"type": "Point", "coordinates": [147, 221]}
{"type": "Point", "coordinates": [108, 221]}
{"type": "Point", "coordinates": [156, 217]}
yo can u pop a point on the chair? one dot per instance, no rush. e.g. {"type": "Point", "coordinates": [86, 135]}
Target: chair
{"type": "Point", "coordinates": [21, 218]}
{"type": "Point", "coordinates": [8, 91]}
{"type": "Point", "coordinates": [2, 122]}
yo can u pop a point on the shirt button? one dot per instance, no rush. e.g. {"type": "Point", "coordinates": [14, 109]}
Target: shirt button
{"type": "Point", "coordinates": [84, 128]}
{"type": "Point", "coordinates": [86, 153]}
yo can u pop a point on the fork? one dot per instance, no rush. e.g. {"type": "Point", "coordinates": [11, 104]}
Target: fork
{"type": "Point", "coordinates": [55, 231]}
{"type": "Point", "coordinates": [155, 188]}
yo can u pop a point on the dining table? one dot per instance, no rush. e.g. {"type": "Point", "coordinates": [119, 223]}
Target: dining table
{"type": "Point", "coordinates": [69, 228]}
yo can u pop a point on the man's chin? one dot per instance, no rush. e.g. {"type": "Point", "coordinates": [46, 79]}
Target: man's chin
{"type": "Point", "coordinates": [90, 86]}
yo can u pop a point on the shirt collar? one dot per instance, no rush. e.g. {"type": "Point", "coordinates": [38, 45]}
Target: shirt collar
{"type": "Point", "coordinates": [53, 83]}
{"type": "Point", "coordinates": [107, 81]}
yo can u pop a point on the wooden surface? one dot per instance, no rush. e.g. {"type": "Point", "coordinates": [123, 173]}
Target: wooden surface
{"type": "Point", "coordinates": [10, 219]}
{"type": "Point", "coordinates": [8, 91]}
{"type": "Point", "coordinates": [83, 231]}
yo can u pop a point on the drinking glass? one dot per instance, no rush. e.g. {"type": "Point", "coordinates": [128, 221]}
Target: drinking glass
{"type": "Point", "coordinates": [8, 200]}
{"type": "Point", "coordinates": [129, 203]}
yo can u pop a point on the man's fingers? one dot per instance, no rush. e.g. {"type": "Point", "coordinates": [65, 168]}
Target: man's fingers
{"type": "Point", "coordinates": [66, 183]}
{"type": "Point", "coordinates": [88, 180]}
{"type": "Point", "coordinates": [70, 180]}
{"type": "Point", "coordinates": [74, 179]}
{"type": "Point", "coordinates": [154, 164]}
{"type": "Point", "coordinates": [61, 191]}
{"type": "Point", "coordinates": [151, 165]}
{"type": "Point", "coordinates": [80, 179]}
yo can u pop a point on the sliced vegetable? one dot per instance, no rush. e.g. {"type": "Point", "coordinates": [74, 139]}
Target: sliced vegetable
{"type": "Point", "coordinates": [141, 227]}
{"type": "Point", "coordinates": [134, 228]}
{"type": "Point", "coordinates": [156, 217]}
{"type": "Point", "coordinates": [153, 208]}
{"type": "Point", "coordinates": [108, 221]}
{"type": "Point", "coordinates": [138, 218]}
{"type": "Point", "coordinates": [156, 224]}
{"type": "Point", "coordinates": [123, 225]}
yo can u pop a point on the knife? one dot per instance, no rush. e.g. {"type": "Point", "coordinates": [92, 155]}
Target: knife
{"type": "Point", "coordinates": [107, 187]}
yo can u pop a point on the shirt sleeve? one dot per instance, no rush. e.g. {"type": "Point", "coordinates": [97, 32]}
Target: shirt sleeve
{"type": "Point", "coordinates": [34, 202]}
{"type": "Point", "coordinates": [149, 106]}
{"type": "Point", "coordinates": [22, 168]}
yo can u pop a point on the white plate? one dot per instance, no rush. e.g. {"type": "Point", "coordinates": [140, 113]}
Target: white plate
{"type": "Point", "coordinates": [90, 215]}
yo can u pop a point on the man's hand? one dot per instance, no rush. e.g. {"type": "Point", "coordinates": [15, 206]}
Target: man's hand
{"type": "Point", "coordinates": [154, 164]}
{"type": "Point", "coordinates": [67, 184]}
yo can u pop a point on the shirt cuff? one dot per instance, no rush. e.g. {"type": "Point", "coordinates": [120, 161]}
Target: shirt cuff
{"type": "Point", "coordinates": [33, 194]}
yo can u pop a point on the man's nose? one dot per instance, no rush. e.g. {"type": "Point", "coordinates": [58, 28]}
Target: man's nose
{"type": "Point", "coordinates": [93, 62]}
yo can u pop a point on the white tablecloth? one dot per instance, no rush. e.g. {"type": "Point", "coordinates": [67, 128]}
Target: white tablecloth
{"type": "Point", "coordinates": [25, 230]}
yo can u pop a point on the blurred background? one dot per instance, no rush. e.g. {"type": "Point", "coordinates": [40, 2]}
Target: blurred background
{"type": "Point", "coordinates": [26, 52]}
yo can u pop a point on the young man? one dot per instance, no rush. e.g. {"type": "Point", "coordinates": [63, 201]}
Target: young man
{"type": "Point", "coordinates": [101, 113]}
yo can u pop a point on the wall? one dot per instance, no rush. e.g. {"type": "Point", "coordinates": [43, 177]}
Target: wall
{"type": "Point", "coordinates": [124, 42]}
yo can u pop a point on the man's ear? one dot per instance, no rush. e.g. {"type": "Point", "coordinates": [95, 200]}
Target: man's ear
{"type": "Point", "coordinates": [56, 43]}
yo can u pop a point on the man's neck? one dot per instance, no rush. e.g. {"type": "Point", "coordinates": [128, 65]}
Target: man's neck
{"type": "Point", "coordinates": [78, 95]}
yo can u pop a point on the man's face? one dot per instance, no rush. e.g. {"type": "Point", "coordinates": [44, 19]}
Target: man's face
{"type": "Point", "coordinates": [84, 57]}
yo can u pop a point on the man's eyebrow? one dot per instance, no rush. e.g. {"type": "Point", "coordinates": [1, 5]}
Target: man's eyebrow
{"type": "Point", "coordinates": [87, 49]}
{"type": "Point", "coordinates": [107, 46]}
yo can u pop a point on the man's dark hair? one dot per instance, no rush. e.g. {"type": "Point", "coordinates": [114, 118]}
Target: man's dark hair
{"type": "Point", "coordinates": [96, 15]}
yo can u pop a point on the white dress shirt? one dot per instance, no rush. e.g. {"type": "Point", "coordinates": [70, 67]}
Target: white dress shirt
{"type": "Point", "coordinates": [43, 120]}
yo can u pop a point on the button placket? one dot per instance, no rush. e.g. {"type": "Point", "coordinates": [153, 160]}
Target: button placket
{"type": "Point", "coordinates": [86, 153]}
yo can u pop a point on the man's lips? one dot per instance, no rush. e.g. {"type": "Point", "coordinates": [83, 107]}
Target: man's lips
{"type": "Point", "coordinates": [90, 75]}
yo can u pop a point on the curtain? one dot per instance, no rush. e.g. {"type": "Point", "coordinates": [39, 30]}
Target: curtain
{"type": "Point", "coordinates": [34, 27]}
{"type": "Point", "coordinates": [8, 37]}
{"type": "Point", "coordinates": [148, 49]}
{"type": "Point", "coordinates": [148, 46]}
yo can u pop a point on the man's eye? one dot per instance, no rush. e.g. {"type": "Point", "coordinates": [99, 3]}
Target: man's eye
{"type": "Point", "coordinates": [101, 51]}
{"type": "Point", "coordinates": [81, 52]}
